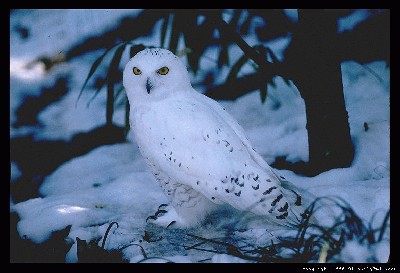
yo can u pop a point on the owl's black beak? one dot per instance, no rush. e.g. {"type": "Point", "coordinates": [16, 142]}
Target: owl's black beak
{"type": "Point", "coordinates": [149, 85]}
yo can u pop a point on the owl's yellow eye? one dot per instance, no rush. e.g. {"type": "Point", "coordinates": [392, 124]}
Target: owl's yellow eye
{"type": "Point", "coordinates": [136, 71]}
{"type": "Point", "coordinates": [163, 70]}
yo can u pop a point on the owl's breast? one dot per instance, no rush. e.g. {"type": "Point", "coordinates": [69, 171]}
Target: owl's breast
{"type": "Point", "coordinates": [144, 126]}
{"type": "Point", "coordinates": [159, 126]}
{"type": "Point", "coordinates": [187, 138]}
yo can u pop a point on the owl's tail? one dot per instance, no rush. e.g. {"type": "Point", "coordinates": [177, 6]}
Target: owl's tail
{"type": "Point", "coordinates": [300, 204]}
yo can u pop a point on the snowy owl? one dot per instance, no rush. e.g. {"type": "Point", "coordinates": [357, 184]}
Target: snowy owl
{"type": "Point", "coordinates": [197, 150]}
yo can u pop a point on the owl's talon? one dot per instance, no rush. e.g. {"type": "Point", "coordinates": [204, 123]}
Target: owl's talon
{"type": "Point", "coordinates": [151, 217]}
{"type": "Point", "coordinates": [162, 205]}
{"type": "Point", "coordinates": [160, 211]}
{"type": "Point", "coordinates": [170, 224]}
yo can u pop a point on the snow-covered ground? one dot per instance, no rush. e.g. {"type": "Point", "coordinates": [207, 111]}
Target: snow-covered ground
{"type": "Point", "coordinates": [112, 182]}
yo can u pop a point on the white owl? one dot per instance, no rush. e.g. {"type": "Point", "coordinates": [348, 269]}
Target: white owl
{"type": "Point", "coordinates": [196, 150]}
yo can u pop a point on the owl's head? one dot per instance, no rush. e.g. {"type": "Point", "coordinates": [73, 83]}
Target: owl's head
{"type": "Point", "coordinates": [153, 74]}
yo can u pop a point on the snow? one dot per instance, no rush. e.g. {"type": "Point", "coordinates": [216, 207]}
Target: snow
{"type": "Point", "coordinates": [112, 182]}
{"type": "Point", "coordinates": [353, 19]}
{"type": "Point", "coordinates": [225, 258]}
{"type": "Point", "coordinates": [55, 29]}
{"type": "Point", "coordinates": [116, 201]}
{"type": "Point", "coordinates": [292, 14]}
{"type": "Point", "coordinates": [15, 171]}
{"type": "Point", "coordinates": [353, 252]}
{"type": "Point", "coordinates": [63, 28]}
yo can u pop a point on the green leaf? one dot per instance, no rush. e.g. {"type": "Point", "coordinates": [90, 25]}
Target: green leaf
{"type": "Point", "coordinates": [111, 80]}
{"type": "Point", "coordinates": [93, 69]}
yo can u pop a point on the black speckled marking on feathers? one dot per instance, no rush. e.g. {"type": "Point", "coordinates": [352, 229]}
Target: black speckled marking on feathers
{"type": "Point", "coordinates": [284, 208]}
{"type": "Point", "coordinates": [269, 190]}
{"type": "Point", "coordinates": [276, 200]}
{"type": "Point", "coordinates": [282, 216]}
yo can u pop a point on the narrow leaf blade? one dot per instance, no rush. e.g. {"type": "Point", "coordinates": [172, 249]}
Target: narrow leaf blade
{"type": "Point", "coordinates": [164, 30]}
{"type": "Point", "coordinates": [111, 80]}
{"type": "Point", "coordinates": [127, 110]}
{"type": "Point", "coordinates": [263, 92]}
{"type": "Point", "coordinates": [135, 49]}
{"type": "Point", "coordinates": [175, 33]}
{"type": "Point", "coordinates": [95, 94]}
{"type": "Point", "coordinates": [93, 69]}
{"type": "Point", "coordinates": [236, 68]}
{"type": "Point", "coordinates": [272, 55]}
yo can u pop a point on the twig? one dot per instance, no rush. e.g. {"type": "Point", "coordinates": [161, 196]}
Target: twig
{"type": "Point", "coordinates": [234, 251]}
{"type": "Point", "coordinates": [108, 230]}
{"type": "Point", "coordinates": [152, 258]}
{"type": "Point", "coordinates": [209, 250]}
{"type": "Point", "coordinates": [133, 244]}
{"type": "Point", "coordinates": [210, 240]}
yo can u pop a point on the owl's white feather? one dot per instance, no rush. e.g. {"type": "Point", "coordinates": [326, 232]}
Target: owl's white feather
{"type": "Point", "coordinates": [197, 150]}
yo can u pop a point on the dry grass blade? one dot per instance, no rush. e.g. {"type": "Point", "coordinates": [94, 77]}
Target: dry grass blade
{"type": "Point", "coordinates": [106, 234]}
{"type": "Point", "coordinates": [312, 242]}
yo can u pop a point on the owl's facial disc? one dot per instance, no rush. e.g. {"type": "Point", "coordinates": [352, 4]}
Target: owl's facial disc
{"type": "Point", "coordinates": [149, 85]}
{"type": "Point", "coordinates": [154, 75]}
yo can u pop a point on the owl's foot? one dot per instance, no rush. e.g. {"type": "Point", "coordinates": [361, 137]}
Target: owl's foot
{"type": "Point", "coordinates": [166, 216]}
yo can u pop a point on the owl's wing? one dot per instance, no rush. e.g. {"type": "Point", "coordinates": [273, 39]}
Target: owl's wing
{"type": "Point", "coordinates": [239, 132]}
{"type": "Point", "coordinates": [307, 197]}
{"type": "Point", "coordinates": [197, 143]}
{"type": "Point", "coordinates": [291, 191]}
